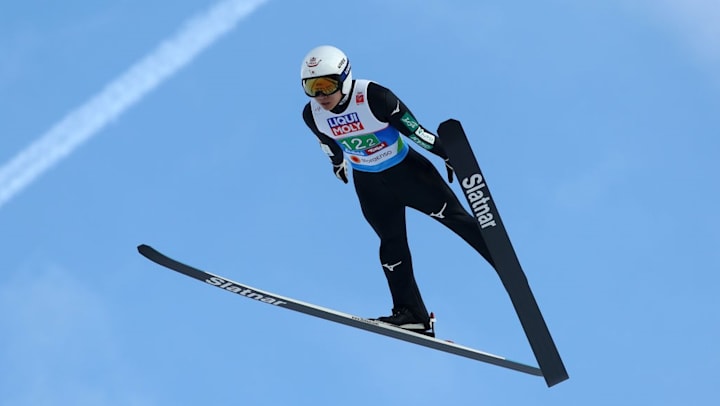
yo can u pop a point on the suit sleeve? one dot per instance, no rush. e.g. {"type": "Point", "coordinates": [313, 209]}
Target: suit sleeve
{"type": "Point", "coordinates": [387, 107]}
{"type": "Point", "coordinates": [328, 145]}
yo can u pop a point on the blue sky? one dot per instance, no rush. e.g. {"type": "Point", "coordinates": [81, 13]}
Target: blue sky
{"type": "Point", "coordinates": [596, 124]}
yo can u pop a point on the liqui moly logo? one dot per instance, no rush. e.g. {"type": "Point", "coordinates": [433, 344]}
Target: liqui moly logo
{"type": "Point", "coordinates": [345, 124]}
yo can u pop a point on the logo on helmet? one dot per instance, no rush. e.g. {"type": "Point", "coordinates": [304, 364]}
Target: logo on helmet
{"type": "Point", "coordinates": [313, 62]}
{"type": "Point", "coordinates": [341, 63]}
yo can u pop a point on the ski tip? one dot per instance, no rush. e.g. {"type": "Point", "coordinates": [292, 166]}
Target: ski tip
{"type": "Point", "coordinates": [450, 121]}
{"type": "Point", "coordinates": [144, 248]}
{"type": "Point", "coordinates": [449, 124]}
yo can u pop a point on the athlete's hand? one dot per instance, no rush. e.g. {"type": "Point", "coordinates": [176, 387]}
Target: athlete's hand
{"type": "Point", "coordinates": [450, 170]}
{"type": "Point", "coordinates": [439, 150]}
{"type": "Point", "coordinates": [341, 171]}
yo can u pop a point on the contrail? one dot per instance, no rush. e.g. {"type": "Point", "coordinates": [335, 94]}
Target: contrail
{"type": "Point", "coordinates": [78, 126]}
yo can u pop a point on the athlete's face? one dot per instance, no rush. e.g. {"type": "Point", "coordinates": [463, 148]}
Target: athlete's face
{"type": "Point", "coordinates": [328, 102]}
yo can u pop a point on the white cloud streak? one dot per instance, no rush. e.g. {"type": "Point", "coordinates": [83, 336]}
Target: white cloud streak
{"type": "Point", "coordinates": [698, 21]}
{"type": "Point", "coordinates": [89, 119]}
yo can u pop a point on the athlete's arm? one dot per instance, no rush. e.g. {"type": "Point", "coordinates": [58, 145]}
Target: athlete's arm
{"type": "Point", "coordinates": [387, 107]}
{"type": "Point", "coordinates": [328, 145]}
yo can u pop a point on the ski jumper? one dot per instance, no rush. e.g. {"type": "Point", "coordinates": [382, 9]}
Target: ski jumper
{"type": "Point", "coordinates": [390, 176]}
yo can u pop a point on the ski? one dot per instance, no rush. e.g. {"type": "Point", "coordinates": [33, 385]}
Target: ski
{"type": "Point", "coordinates": [477, 193]}
{"type": "Point", "coordinates": [333, 315]}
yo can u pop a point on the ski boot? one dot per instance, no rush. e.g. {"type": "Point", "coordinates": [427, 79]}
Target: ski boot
{"type": "Point", "coordinates": [405, 319]}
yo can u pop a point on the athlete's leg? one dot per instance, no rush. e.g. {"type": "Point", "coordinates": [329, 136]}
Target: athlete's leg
{"type": "Point", "coordinates": [428, 193]}
{"type": "Point", "coordinates": [387, 217]}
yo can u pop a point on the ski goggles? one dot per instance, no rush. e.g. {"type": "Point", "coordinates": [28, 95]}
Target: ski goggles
{"type": "Point", "coordinates": [325, 85]}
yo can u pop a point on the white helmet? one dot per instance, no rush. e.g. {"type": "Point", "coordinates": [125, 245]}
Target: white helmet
{"type": "Point", "coordinates": [328, 62]}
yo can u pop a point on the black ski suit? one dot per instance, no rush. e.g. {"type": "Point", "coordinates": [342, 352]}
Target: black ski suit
{"type": "Point", "coordinates": [411, 182]}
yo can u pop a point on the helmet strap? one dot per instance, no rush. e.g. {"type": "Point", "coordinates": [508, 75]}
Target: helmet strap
{"type": "Point", "coordinates": [346, 97]}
